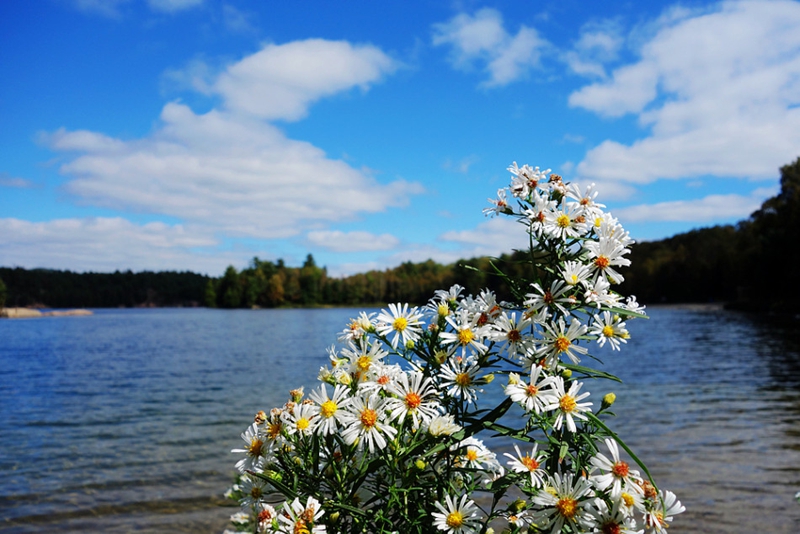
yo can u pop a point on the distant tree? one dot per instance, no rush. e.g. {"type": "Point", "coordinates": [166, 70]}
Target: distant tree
{"type": "Point", "coordinates": [3, 293]}
{"type": "Point", "coordinates": [230, 291]}
{"type": "Point", "coordinates": [210, 295]}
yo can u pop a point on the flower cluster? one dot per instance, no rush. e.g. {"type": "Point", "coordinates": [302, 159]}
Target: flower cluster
{"type": "Point", "coordinates": [389, 441]}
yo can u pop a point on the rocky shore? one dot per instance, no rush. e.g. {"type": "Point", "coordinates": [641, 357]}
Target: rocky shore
{"type": "Point", "coordinates": [26, 313]}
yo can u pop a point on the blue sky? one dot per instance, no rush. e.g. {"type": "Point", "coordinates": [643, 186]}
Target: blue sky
{"type": "Point", "coordinates": [196, 134]}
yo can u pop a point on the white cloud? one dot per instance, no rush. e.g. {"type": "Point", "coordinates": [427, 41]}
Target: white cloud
{"type": "Point", "coordinates": [598, 44]}
{"type": "Point", "coordinates": [6, 180]}
{"type": "Point", "coordinates": [282, 81]}
{"type": "Point", "coordinates": [357, 241]}
{"type": "Point", "coordinates": [491, 238]}
{"type": "Point", "coordinates": [240, 176]}
{"type": "Point", "coordinates": [702, 210]}
{"type": "Point", "coordinates": [107, 244]}
{"type": "Point", "coordinates": [482, 38]}
{"type": "Point", "coordinates": [719, 92]}
{"type": "Point", "coordinates": [236, 20]}
{"type": "Point", "coordinates": [172, 6]}
{"type": "Point", "coordinates": [228, 169]}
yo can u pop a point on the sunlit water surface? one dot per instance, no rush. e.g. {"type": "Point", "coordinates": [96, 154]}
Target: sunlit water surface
{"type": "Point", "coordinates": [123, 421]}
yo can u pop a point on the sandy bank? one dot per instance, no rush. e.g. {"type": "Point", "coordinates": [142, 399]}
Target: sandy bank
{"type": "Point", "coordinates": [25, 313]}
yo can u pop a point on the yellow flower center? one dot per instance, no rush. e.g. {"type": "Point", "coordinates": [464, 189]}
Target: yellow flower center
{"type": "Point", "coordinates": [328, 408]}
{"type": "Point", "coordinates": [531, 390]}
{"type": "Point", "coordinates": [472, 455]}
{"type": "Point", "coordinates": [530, 463]}
{"type": "Point", "coordinates": [413, 400]}
{"type": "Point", "coordinates": [608, 330]}
{"type": "Point", "coordinates": [364, 363]}
{"type": "Point", "coordinates": [465, 336]}
{"type": "Point", "coordinates": [400, 324]}
{"type": "Point", "coordinates": [567, 404]}
{"type": "Point", "coordinates": [369, 417]}
{"type": "Point", "coordinates": [443, 310]}
{"type": "Point", "coordinates": [562, 343]}
{"type": "Point", "coordinates": [302, 423]}
{"type": "Point", "coordinates": [627, 499]}
{"type": "Point", "coordinates": [255, 492]}
{"type": "Point", "coordinates": [563, 221]}
{"type": "Point", "coordinates": [454, 519]}
{"type": "Point", "coordinates": [463, 379]}
{"type": "Point", "coordinates": [567, 507]}
{"type": "Point", "coordinates": [255, 447]}
{"type": "Point", "coordinates": [274, 430]}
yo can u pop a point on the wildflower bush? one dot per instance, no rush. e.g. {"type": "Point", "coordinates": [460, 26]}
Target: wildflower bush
{"type": "Point", "coordinates": [392, 440]}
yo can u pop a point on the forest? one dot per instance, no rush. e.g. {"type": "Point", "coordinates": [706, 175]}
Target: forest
{"type": "Point", "coordinates": [750, 265]}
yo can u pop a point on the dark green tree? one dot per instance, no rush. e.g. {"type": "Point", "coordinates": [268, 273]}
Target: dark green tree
{"type": "Point", "coordinates": [3, 293]}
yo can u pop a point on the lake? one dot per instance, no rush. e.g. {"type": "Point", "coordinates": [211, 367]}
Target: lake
{"type": "Point", "coordinates": [123, 421]}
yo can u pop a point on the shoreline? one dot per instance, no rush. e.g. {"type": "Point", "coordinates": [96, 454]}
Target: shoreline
{"type": "Point", "coordinates": [31, 313]}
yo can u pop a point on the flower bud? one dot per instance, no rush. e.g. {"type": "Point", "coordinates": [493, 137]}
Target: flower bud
{"type": "Point", "coordinates": [566, 373]}
{"type": "Point", "coordinates": [420, 464]}
{"type": "Point", "coordinates": [488, 379]}
{"type": "Point", "coordinates": [608, 400]}
{"type": "Point", "coordinates": [409, 344]}
{"type": "Point", "coordinates": [334, 516]}
{"type": "Point", "coordinates": [296, 394]}
{"type": "Point", "coordinates": [518, 505]}
{"type": "Point", "coordinates": [260, 417]}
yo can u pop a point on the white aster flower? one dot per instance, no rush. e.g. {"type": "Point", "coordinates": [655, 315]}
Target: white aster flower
{"type": "Point", "coordinates": [565, 224]}
{"type": "Point", "coordinates": [365, 420]}
{"type": "Point", "coordinates": [575, 273]}
{"type": "Point", "coordinates": [529, 463]}
{"type": "Point", "coordinates": [442, 425]}
{"type": "Point", "coordinates": [614, 472]}
{"type": "Point", "coordinates": [457, 517]}
{"type": "Point", "coordinates": [358, 327]}
{"type": "Point", "coordinates": [255, 450]}
{"type": "Point", "coordinates": [611, 520]}
{"type": "Point", "coordinates": [548, 299]}
{"type": "Point", "coordinates": [466, 334]}
{"type": "Point", "coordinates": [459, 376]}
{"type": "Point", "coordinates": [400, 321]}
{"type": "Point", "coordinates": [567, 404]}
{"type": "Point", "coordinates": [511, 334]}
{"type": "Point", "coordinates": [609, 328]}
{"type": "Point", "coordinates": [362, 357]}
{"type": "Point", "coordinates": [664, 507]}
{"type": "Point", "coordinates": [301, 419]}
{"type": "Point", "coordinates": [526, 179]}
{"type": "Point", "coordinates": [499, 205]}
{"type": "Point", "coordinates": [330, 409]}
{"type": "Point", "coordinates": [297, 517]}
{"type": "Point", "coordinates": [564, 503]}
{"type": "Point", "coordinates": [379, 378]}
{"type": "Point", "coordinates": [415, 397]}
{"type": "Point", "coordinates": [560, 341]}
{"type": "Point", "coordinates": [604, 255]}
{"type": "Point", "coordinates": [532, 396]}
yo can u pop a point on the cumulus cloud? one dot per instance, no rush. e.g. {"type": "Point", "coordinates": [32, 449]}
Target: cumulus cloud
{"type": "Point", "coordinates": [240, 176]}
{"type": "Point", "coordinates": [107, 244]}
{"type": "Point", "coordinates": [357, 241]}
{"type": "Point", "coordinates": [491, 238]}
{"type": "Point", "coordinates": [718, 91]}
{"type": "Point", "coordinates": [481, 38]}
{"type": "Point", "coordinates": [6, 180]}
{"type": "Point", "coordinates": [599, 43]}
{"type": "Point", "coordinates": [702, 210]}
{"type": "Point", "coordinates": [229, 169]}
{"type": "Point", "coordinates": [282, 81]}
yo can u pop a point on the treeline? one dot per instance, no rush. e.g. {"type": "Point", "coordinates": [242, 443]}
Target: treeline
{"type": "Point", "coordinates": [268, 284]}
{"type": "Point", "coordinates": [67, 289]}
{"type": "Point", "coordinates": [753, 264]}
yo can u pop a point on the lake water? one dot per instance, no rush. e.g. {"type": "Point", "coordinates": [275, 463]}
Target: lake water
{"type": "Point", "coordinates": [123, 421]}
